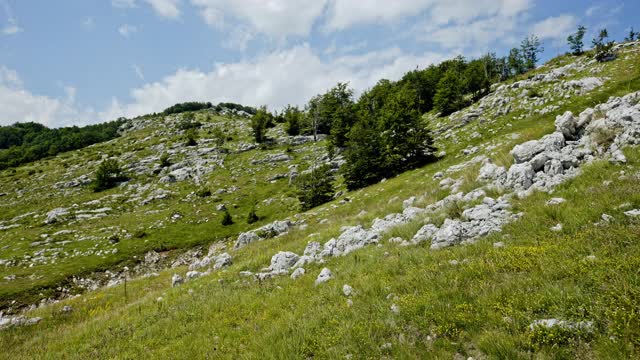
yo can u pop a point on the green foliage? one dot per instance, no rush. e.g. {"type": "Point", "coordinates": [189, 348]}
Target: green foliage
{"type": "Point", "coordinates": [191, 137]}
{"type": "Point", "coordinates": [259, 123]}
{"type": "Point", "coordinates": [555, 336]}
{"type": "Point", "coordinates": [108, 175]}
{"type": "Point", "coordinates": [333, 113]}
{"type": "Point", "coordinates": [22, 143]}
{"type": "Point", "coordinates": [450, 94]}
{"type": "Point", "coordinates": [252, 217]}
{"type": "Point", "coordinates": [218, 136]}
{"type": "Point", "coordinates": [576, 41]}
{"type": "Point", "coordinates": [388, 138]}
{"type": "Point", "coordinates": [164, 160]}
{"type": "Point", "coordinates": [633, 35]}
{"type": "Point", "coordinates": [237, 107]}
{"type": "Point", "coordinates": [293, 118]}
{"type": "Point", "coordinates": [530, 48]}
{"type": "Point", "coordinates": [515, 63]}
{"type": "Point", "coordinates": [187, 106]}
{"type": "Point", "coordinates": [226, 218]}
{"type": "Point", "coordinates": [203, 192]}
{"type": "Point", "coordinates": [315, 187]}
{"type": "Point", "coordinates": [602, 47]}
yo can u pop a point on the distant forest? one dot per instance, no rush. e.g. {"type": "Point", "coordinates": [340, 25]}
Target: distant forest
{"type": "Point", "coordinates": [21, 143]}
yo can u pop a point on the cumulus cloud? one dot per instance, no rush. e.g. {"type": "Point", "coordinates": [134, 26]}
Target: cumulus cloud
{"type": "Point", "coordinates": [555, 28]}
{"type": "Point", "coordinates": [290, 76]}
{"type": "Point", "coordinates": [123, 4]}
{"type": "Point", "coordinates": [169, 9]}
{"type": "Point", "coordinates": [20, 105]}
{"type": "Point", "coordinates": [276, 18]}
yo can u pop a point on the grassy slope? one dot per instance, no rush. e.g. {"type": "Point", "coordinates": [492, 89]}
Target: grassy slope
{"type": "Point", "coordinates": [480, 307]}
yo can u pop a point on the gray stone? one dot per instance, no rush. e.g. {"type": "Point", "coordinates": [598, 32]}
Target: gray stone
{"type": "Point", "coordinates": [451, 233]}
{"type": "Point", "coordinates": [324, 276]}
{"type": "Point", "coordinates": [425, 233]}
{"type": "Point", "coordinates": [526, 151]}
{"type": "Point", "coordinates": [297, 273]}
{"type": "Point", "coordinates": [176, 280]}
{"type": "Point", "coordinates": [567, 125]}
{"type": "Point", "coordinates": [520, 176]}
{"type": "Point", "coordinates": [283, 261]}
{"type": "Point", "coordinates": [347, 290]}
{"type": "Point", "coordinates": [221, 261]}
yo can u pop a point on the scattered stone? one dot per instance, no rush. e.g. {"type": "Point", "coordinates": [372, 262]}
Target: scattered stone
{"type": "Point", "coordinates": [324, 276]}
{"type": "Point", "coordinates": [176, 280]}
{"type": "Point", "coordinates": [193, 275]}
{"type": "Point", "coordinates": [557, 228]}
{"type": "Point", "coordinates": [283, 261]}
{"type": "Point", "coordinates": [569, 325]}
{"type": "Point", "coordinates": [633, 213]}
{"type": "Point", "coordinates": [556, 201]}
{"type": "Point", "coordinates": [395, 309]}
{"type": "Point", "coordinates": [347, 290]}
{"type": "Point", "coordinates": [297, 273]}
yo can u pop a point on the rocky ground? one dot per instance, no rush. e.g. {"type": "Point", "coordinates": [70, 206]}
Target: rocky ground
{"type": "Point", "coordinates": [519, 158]}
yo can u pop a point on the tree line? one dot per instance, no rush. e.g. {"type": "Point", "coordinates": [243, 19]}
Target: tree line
{"type": "Point", "coordinates": [21, 143]}
{"type": "Point", "coordinates": [196, 106]}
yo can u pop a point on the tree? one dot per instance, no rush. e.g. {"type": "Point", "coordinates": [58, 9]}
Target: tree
{"type": "Point", "coordinates": [259, 123]}
{"type": "Point", "coordinates": [333, 113]}
{"type": "Point", "coordinates": [516, 62]}
{"type": "Point", "coordinates": [576, 42]}
{"type": "Point", "coordinates": [603, 48]}
{"type": "Point", "coordinates": [108, 175]}
{"type": "Point", "coordinates": [476, 78]}
{"type": "Point", "coordinates": [407, 142]}
{"type": "Point", "coordinates": [293, 120]}
{"type": "Point", "coordinates": [530, 48]}
{"type": "Point", "coordinates": [632, 35]}
{"type": "Point", "coordinates": [364, 156]}
{"type": "Point", "coordinates": [218, 136]}
{"type": "Point", "coordinates": [449, 94]}
{"type": "Point", "coordinates": [315, 187]}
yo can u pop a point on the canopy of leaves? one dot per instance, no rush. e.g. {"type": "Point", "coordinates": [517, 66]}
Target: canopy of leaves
{"type": "Point", "coordinates": [108, 175]}
{"type": "Point", "coordinates": [21, 143]}
{"type": "Point", "coordinates": [187, 106]}
{"type": "Point", "coordinates": [315, 187]}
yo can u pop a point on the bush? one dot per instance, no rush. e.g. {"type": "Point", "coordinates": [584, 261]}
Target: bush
{"type": "Point", "coordinates": [252, 217]}
{"type": "Point", "coordinates": [108, 175]}
{"type": "Point", "coordinates": [164, 160]}
{"type": "Point", "coordinates": [315, 187]}
{"type": "Point", "coordinates": [203, 192]}
{"type": "Point", "coordinates": [226, 218]}
{"type": "Point", "coordinates": [191, 137]}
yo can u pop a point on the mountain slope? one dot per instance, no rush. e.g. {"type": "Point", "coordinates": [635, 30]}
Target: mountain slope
{"type": "Point", "coordinates": [466, 301]}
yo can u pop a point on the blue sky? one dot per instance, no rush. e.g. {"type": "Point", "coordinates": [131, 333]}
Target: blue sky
{"type": "Point", "coordinates": [75, 62]}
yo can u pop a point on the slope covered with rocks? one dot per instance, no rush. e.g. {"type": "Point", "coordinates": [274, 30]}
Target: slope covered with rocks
{"type": "Point", "coordinates": [521, 241]}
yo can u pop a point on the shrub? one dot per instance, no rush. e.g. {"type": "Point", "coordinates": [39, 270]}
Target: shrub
{"type": "Point", "coordinates": [191, 137]}
{"type": "Point", "coordinates": [252, 217]}
{"type": "Point", "coordinates": [226, 218]}
{"type": "Point", "coordinates": [164, 160]}
{"type": "Point", "coordinates": [203, 192]}
{"type": "Point", "coordinates": [108, 175]}
{"type": "Point", "coordinates": [315, 187]}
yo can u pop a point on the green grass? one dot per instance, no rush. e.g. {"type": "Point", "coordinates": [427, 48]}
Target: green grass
{"type": "Point", "coordinates": [481, 307]}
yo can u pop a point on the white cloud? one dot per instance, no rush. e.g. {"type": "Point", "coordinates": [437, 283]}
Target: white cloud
{"type": "Point", "coordinates": [166, 8]}
{"type": "Point", "coordinates": [123, 4]}
{"type": "Point", "coordinates": [127, 30]}
{"type": "Point", "coordinates": [20, 105]}
{"type": "Point", "coordinates": [555, 28]}
{"type": "Point", "coordinates": [138, 70]}
{"type": "Point", "coordinates": [290, 76]}
{"type": "Point", "coordinates": [274, 18]}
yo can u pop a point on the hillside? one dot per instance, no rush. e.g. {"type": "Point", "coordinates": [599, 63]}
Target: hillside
{"type": "Point", "coordinates": [520, 242]}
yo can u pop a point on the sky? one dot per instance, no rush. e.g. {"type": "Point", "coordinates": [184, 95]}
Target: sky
{"type": "Point", "coordinates": [77, 62]}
